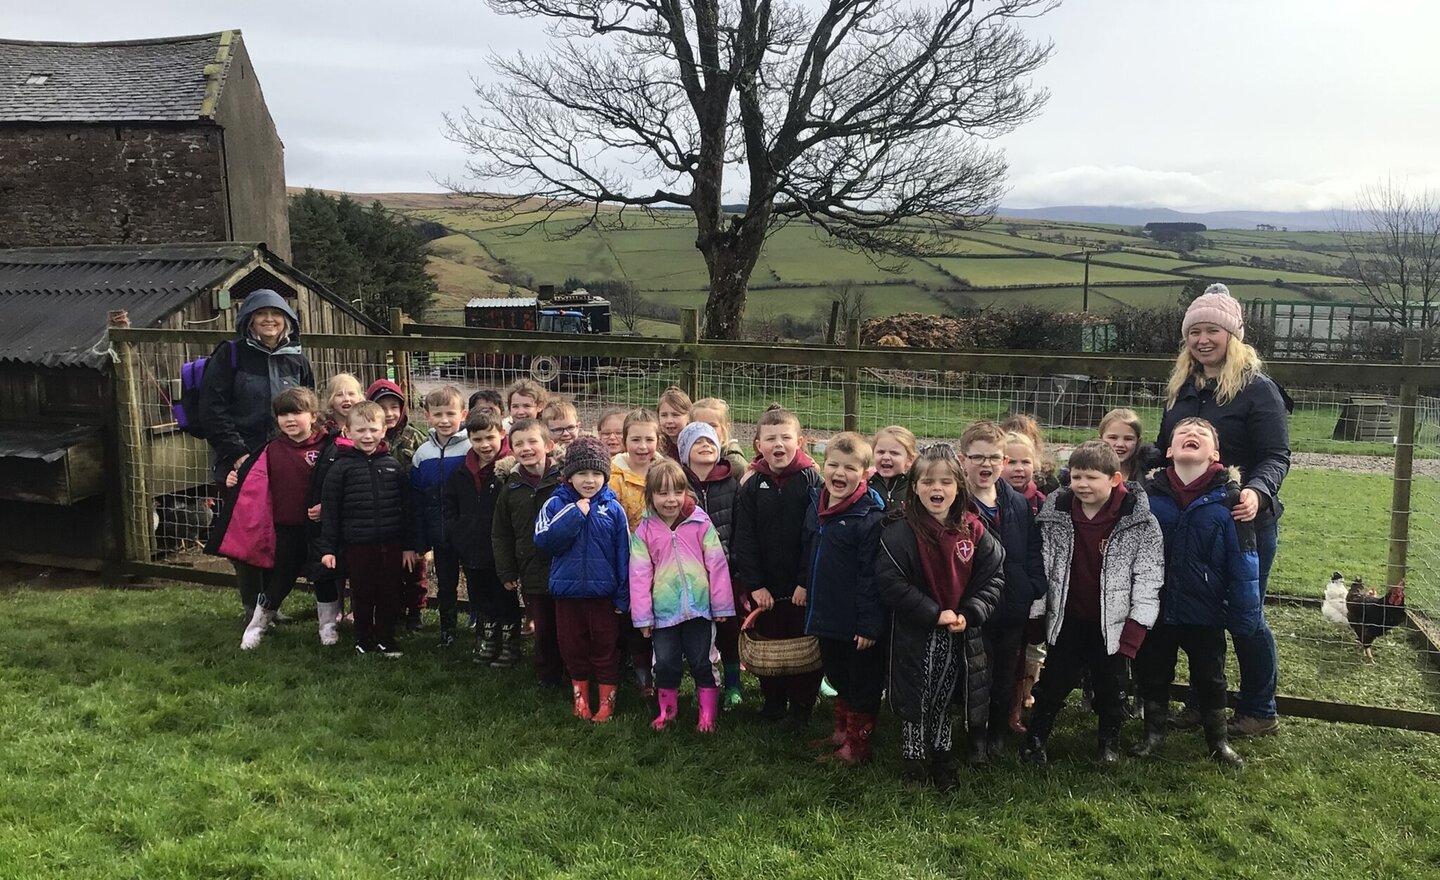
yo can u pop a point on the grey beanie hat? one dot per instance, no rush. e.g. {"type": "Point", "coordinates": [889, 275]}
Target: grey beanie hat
{"type": "Point", "coordinates": [692, 432]}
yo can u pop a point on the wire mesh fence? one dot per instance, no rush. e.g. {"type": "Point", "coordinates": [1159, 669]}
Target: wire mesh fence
{"type": "Point", "coordinates": [1338, 497]}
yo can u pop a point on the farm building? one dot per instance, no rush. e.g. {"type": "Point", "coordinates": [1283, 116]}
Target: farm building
{"type": "Point", "coordinates": [60, 484]}
{"type": "Point", "coordinates": [137, 142]}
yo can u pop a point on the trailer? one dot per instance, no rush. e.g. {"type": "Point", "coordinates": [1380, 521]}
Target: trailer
{"type": "Point", "coordinates": [572, 312]}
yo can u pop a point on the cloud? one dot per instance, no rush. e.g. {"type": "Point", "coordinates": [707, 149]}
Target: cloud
{"type": "Point", "coordinates": [1115, 185]}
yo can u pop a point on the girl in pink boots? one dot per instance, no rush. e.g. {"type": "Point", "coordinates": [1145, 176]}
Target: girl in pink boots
{"type": "Point", "coordinates": [679, 588]}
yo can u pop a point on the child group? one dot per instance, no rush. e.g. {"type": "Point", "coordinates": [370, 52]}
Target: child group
{"type": "Point", "coordinates": [921, 573]}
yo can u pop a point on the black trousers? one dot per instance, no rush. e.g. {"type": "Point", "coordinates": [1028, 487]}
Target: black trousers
{"type": "Point", "coordinates": [1005, 646]}
{"type": "Point", "coordinates": [447, 585]}
{"type": "Point", "coordinates": [268, 587]}
{"type": "Point", "coordinates": [1079, 649]}
{"type": "Point", "coordinates": [857, 676]}
{"type": "Point", "coordinates": [489, 598]}
{"type": "Point", "coordinates": [1205, 648]}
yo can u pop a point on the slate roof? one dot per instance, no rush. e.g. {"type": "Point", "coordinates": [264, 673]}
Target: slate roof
{"type": "Point", "coordinates": [54, 302]}
{"type": "Point", "coordinates": [175, 79]}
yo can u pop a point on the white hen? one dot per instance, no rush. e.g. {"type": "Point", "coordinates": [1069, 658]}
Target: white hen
{"type": "Point", "coordinates": [1333, 608]}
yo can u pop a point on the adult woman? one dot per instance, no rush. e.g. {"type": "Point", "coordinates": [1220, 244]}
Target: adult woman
{"type": "Point", "coordinates": [244, 376]}
{"type": "Point", "coordinates": [1219, 378]}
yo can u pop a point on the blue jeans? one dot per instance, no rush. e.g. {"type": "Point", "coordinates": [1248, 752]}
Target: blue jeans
{"type": "Point", "coordinates": [1259, 666]}
{"type": "Point", "coordinates": [688, 641]}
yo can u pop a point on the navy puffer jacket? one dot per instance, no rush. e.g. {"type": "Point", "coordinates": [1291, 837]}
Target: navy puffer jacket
{"type": "Point", "coordinates": [1212, 570]}
{"type": "Point", "coordinates": [839, 575]}
{"type": "Point", "coordinates": [589, 553]}
{"type": "Point", "coordinates": [1254, 429]}
{"type": "Point", "coordinates": [1019, 534]}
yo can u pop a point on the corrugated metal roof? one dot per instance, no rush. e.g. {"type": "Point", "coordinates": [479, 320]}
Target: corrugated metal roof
{"type": "Point", "coordinates": [137, 80]}
{"type": "Point", "coordinates": [54, 302]}
{"type": "Point", "coordinates": [502, 302]}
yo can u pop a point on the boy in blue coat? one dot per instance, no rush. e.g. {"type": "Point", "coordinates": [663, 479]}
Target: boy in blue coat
{"type": "Point", "coordinates": [584, 531]}
{"type": "Point", "coordinates": [430, 468]}
{"type": "Point", "coordinates": [842, 610]}
{"type": "Point", "coordinates": [1212, 583]}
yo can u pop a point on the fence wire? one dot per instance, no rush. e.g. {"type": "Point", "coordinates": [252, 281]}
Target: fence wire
{"type": "Point", "coordinates": [1337, 496]}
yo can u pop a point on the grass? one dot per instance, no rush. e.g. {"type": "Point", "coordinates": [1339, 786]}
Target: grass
{"type": "Point", "coordinates": [1256, 273]}
{"type": "Point", "coordinates": [1037, 270]}
{"type": "Point", "coordinates": [158, 750]}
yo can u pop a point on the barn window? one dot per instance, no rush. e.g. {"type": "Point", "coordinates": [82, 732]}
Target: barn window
{"type": "Point", "coordinates": [37, 79]}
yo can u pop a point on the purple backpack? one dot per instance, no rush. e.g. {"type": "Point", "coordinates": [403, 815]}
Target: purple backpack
{"type": "Point", "coordinates": [187, 410]}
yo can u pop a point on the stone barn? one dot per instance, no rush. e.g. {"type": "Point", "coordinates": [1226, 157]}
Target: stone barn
{"type": "Point", "coordinates": [61, 490]}
{"type": "Point", "coordinates": [135, 142]}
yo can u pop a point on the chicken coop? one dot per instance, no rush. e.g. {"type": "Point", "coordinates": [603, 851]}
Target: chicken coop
{"type": "Point", "coordinates": [1365, 417]}
{"type": "Point", "coordinates": [60, 485]}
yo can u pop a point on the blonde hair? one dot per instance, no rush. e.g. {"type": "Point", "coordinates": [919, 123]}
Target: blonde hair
{"type": "Point", "coordinates": [1015, 438]}
{"type": "Point", "coordinates": [1242, 364]}
{"type": "Point", "coordinates": [640, 416]}
{"type": "Point", "coordinates": [664, 473]}
{"type": "Point", "coordinates": [366, 410]}
{"type": "Point", "coordinates": [981, 432]}
{"type": "Point", "coordinates": [1023, 423]}
{"type": "Point", "coordinates": [720, 406]}
{"type": "Point", "coordinates": [527, 388]}
{"type": "Point", "coordinates": [901, 434]}
{"type": "Point", "coordinates": [338, 383]}
{"type": "Point", "coordinates": [1129, 417]}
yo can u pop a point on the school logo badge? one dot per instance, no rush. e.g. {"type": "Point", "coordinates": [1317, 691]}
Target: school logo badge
{"type": "Point", "coordinates": [965, 549]}
{"type": "Point", "coordinates": [312, 456]}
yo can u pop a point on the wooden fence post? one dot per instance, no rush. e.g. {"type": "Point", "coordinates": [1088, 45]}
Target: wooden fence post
{"type": "Point", "coordinates": [1404, 467]}
{"type": "Point", "coordinates": [137, 507]}
{"type": "Point", "coordinates": [400, 357]}
{"type": "Point", "coordinates": [689, 361]}
{"type": "Point", "coordinates": [852, 379]}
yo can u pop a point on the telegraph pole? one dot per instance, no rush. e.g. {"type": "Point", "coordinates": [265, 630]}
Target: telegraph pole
{"type": "Point", "coordinates": [1085, 295]}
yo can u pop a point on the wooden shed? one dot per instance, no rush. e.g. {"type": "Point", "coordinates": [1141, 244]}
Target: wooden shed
{"type": "Point", "coordinates": [60, 489]}
{"type": "Point", "coordinates": [1365, 417]}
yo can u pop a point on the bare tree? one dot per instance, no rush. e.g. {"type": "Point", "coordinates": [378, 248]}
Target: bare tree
{"type": "Point", "coordinates": [865, 117]}
{"type": "Point", "coordinates": [1393, 241]}
{"type": "Point", "coordinates": [854, 306]}
{"type": "Point", "coordinates": [626, 302]}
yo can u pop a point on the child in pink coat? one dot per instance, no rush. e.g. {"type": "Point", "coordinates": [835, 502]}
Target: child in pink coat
{"type": "Point", "coordinates": [679, 588]}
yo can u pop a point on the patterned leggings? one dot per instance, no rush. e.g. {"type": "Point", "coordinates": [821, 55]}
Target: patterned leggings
{"type": "Point", "coordinates": [944, 664]}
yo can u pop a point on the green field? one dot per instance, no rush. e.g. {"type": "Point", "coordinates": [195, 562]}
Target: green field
{"type": "Point", "coordinates": [798, 274]}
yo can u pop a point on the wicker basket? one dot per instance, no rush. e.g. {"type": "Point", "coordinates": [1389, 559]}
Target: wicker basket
{"type": "Point", "coordinates": [763, 655]}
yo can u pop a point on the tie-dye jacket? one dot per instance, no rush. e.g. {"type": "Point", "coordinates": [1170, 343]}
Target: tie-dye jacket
{"type": "Point", "coordinates": [680, 574]}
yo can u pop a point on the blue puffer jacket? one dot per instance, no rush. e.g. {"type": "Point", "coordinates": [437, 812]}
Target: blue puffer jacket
{"type": "Point", "coordinates": [1212, 571]}
{"type": "Point", "coordinates": [1019, 534]}
{"type": "Point", "coordinates": [590, 553]}
{"type": "Point", "coordinates": [839, 573]}
{"type": "Point", "coordinates": [431, 466]}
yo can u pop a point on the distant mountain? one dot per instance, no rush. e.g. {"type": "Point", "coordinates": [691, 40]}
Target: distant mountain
{"type": "Point", "coordinates": [1293, 220]}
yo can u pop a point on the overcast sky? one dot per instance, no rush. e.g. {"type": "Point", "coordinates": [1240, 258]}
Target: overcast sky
{"type": "Point", "coordinates": [1223, 104]}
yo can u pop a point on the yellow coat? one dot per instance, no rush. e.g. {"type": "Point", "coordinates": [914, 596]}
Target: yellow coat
{"type": "Point", "coordinates": [629, 487]}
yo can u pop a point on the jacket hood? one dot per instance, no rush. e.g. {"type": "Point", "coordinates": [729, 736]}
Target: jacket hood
{"type": "Point", "coordinates": [620, 464]}
{"type": "Point", "coordinates": [266, 299]}
{"type": "Point", "coordinates": [459, 438]}
{"type": "Point", "coordinates": [385, 388]}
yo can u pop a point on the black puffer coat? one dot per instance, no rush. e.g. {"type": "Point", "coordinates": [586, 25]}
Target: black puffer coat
{"type": "Point", "coordinates": [469, 516]}
{"type": "Point", "coordinates": [366, 500]}
{"type": "Point", "coordinates": [900, 582]}
{"type": "Point", "coordinates": [767, 548]}
{"type": "Point", "coordinates": [1019, 535]}
{"type": "Point", "coordinates": [893, 491]}
{"type": "Point", "coordinates": [716, 496]}
{"type": "Point", "coordinates": [235, 400]}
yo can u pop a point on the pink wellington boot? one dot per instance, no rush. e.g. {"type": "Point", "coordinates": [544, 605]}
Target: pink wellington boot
{"type": "Point", "coordinates": [668, 698]}
{"type": "Point", "coordinates": [709, 699]}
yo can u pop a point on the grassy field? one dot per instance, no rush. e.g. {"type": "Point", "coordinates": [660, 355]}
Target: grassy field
{"type": "Point", "coordinates": [657, 254]}
{"type": "Point", "coordinates": [141, 743]}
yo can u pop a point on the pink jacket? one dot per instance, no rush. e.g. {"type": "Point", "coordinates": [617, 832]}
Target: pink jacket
{"type": "Point", "coordinates": [680, 574]}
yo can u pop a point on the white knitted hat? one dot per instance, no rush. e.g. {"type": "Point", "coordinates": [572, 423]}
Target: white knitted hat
{"type": "Point", "coordinates": [1216, 306]}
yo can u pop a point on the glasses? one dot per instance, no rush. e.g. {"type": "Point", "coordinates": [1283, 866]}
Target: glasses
{"type": "Point", "coordinates": [992, 458]}
{"type": "Point", "coordinates": [564, 429]}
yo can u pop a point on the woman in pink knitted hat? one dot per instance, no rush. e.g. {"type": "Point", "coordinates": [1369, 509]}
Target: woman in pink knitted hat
{"type": "Point", "coordinates": [1219, 378]}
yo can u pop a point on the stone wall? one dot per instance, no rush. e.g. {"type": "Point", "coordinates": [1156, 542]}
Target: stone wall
{"type": "Point", "coordinates": [254, 160]}
{"type": "Point", "coordinates": [66, 184]}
